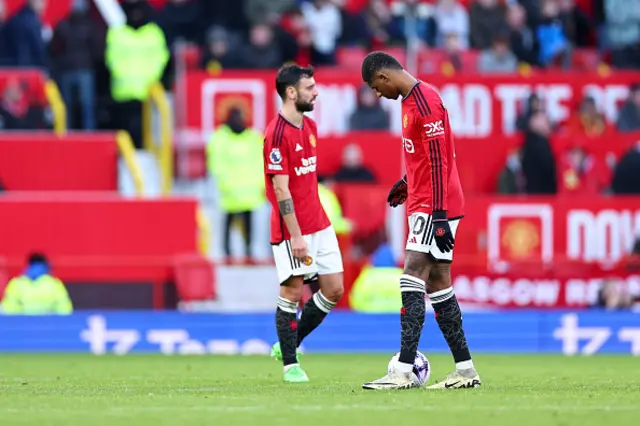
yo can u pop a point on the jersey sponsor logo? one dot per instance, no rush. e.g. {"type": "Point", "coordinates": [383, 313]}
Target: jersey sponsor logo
{"type": "Point", "coordinates": [275, 157]}
{"type": "Point", "coordinates": [408, 145]}
{"type": "Point", "coordinates": [298, 147]}
{"type": "Point", "coordinates": [308, 166]}
{"type": "Point", "coordinates": [435, 129]}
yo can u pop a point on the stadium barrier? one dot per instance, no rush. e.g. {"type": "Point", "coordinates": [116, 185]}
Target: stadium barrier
{"type": "Point", "coordinates": [569, 333]}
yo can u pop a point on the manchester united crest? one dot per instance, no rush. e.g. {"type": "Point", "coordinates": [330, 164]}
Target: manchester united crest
{"type": "Point", "coordinates": [312, 140]}
{"type": "Point", "coordinates": [521, 237]}
{"type": "Point", "coordinates": [405, 121]}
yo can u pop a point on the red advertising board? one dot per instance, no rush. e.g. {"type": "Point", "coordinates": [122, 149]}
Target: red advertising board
{"type": "Point", "coordinates": [539, 291]}
{"type": "Point", "coordinates": [42, 161]}
{"type": "Point", "coordinates": [479, 106]}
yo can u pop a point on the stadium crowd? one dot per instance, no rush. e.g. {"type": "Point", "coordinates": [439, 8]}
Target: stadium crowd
{"type": "Point", "coordinates": [101, 85]}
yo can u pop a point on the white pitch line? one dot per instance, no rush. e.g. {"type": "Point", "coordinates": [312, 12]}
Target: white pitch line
{"type": "Point", "coordinates": [341, 407]}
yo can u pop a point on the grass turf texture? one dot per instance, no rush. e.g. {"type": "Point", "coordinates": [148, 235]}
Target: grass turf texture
{"type": "Point", "coordinates": [70, 390]}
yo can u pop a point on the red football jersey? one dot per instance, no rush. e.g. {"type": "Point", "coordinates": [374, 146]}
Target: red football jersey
{"type": "Point", "coordinates": [289, 150]}
{"type": "Point", "coordinates": [430, 154]}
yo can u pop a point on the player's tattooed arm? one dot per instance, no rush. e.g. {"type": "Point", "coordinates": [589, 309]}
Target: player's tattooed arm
{"type": "Point", "coordinates": [285, 203]}
{"type": "Point", "coordinates": [286, 206]}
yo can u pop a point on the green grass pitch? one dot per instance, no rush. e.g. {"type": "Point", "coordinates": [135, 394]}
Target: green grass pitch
{"type": "Point", "coordinates": [74, 390]}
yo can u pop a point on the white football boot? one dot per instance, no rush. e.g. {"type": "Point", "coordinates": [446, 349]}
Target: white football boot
{"type": "Point", "coordinates": [464, 379]}
{"type": "Point", "coordinates": [393, 380]}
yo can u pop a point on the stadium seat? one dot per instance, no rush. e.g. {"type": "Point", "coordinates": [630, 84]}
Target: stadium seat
{"type": "Point", "coordinates": [351, 57]}
{"type": "Point", "coordinates": [194, 278]}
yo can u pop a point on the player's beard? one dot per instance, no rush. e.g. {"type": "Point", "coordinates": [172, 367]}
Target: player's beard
{"type": "Point", "coordinates": [304, 106]}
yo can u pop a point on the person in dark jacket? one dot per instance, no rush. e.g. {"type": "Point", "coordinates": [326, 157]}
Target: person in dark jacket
{"type": "Point", "coordinates": [538, 163]}
{"type": "Point", "coordinates": [369, 114]}
{"type": "Point", "coordinates": [5, 52]}
{"type": "Point", "coordinates": [75, 48]}
{"type": "Point", "coordinates": [180, 20]}
{"type": "Point", "coordinates": [629, 115]}
{"type": "Point", "coordinates": [353, 169]}
{"type": "Point", "coordinates": [626, 176]}
{"type": "Point", "coordinates": [24, 36]}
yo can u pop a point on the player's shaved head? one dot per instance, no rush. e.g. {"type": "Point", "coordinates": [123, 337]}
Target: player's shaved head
{"type": "Point", "coordinates": [376, 62]}
{"type": "Point", "coordinates": [289, 76]}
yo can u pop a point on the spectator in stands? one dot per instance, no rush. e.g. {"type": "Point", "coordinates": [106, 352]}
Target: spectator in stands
{"type": "Point", "coordinates": [580, 173]}
{"type": "Point", "coordinates": [377, 17]}
{"type": "Point", "coordinates": [613, 295]}
{"type": "Point", "coordinates": [532, 9]}
{"type": "Point", "coordinates": [234, 157]}
{"type": "Point", "coordinates": [626, 175]}
{"type": "Point", "coordinates": [588, 121]}
{"type": "Point", "coordinates": [16, 112]}
{"type": "Point", "coordinates": [511, 180]}
{"type": "Point", "coordinates": [219, 52]}
{"type": "Point", "coordinates": [36, 291]}
{"type": "Point", "coordinates": [498, 59]}
{"type": "Point", "coordinates": [230, 14]}
{"type": "Point", "coordinates": [354, 29]}
{"type": "Point", "coordinates": [412, 21]}
{"type": "Point", "coordinates": [332, 207]}
{"type": "Point", "coordinates": [629, 115]}
{"type": "Point", "coordinates": [486, 18]}
{"type": "Point", "coordinates": [523, 41]}
{"type": "Point", "coordinates": [623, 32]}
{"type": "Point", "coordinates": [261, 52]}
{"type": "Point", "coordinates": [5, 52]}
{"type": "Point", "coordinates": [258, 11]}
{"type": "Point", "coordinates": [74, 48]}
{"type": "Point", "coordinates": [180, 20]}
{"type": "Point", "coordinates": [451, 18]}
{"type": "Point", "coordinates": [325, 24]}
{"type": "Point", "coordinates": [575, 23]}
{"type": "Point", "coordinates": [552, 40]}
{"type": "Point", "coordinates": [353, 169]}
{"type": "Point", "coordinates": [453, 53]}
{"type": "Point", "coordinates": [533, 106]}
{"type": "Point", "coordinates": [136, 56]}
{"type": "Point", "coordinates": [538, 163]}
{"type": "Point", "coordinates": [24, 31]}
{"type": "Point", "coordinates": [296, 37]}
{"type": "Point", "coordinates": [369, 114]}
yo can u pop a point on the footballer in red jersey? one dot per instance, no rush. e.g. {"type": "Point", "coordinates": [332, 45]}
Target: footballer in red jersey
{"type": "Point", "coordinates": [435, 204]}
{"type": "Point", "coordinates": [305, 246]}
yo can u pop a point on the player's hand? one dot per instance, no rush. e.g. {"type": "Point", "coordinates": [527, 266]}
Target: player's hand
{"type": "Point", "coordinates": [299, 249]}
{"type": "Point", "coordinates": [442, 232]}
{"type": "Point", "coordinates": [398, 194]}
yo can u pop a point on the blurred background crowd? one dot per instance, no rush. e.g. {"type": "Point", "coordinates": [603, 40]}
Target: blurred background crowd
{"type": "Point", "coordinates": [105, 72]}
{"type": "Point", "coordinates": [103, 87]}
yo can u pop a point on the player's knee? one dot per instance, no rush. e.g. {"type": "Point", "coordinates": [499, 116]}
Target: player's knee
{"type": "Point", "coordinates": [332, 287]}
{"type": "Point", "coordinates": [334, 294]}
{"type": "Point", "coordinates": [439, 277]}
{"type": "Point", "coordinates": [292, 289]}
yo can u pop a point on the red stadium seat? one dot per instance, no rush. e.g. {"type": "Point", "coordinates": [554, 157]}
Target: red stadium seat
{"type": "Point", "coordinates": [194, 278]}
{"type": "Point", "coordinates": [351, 57]}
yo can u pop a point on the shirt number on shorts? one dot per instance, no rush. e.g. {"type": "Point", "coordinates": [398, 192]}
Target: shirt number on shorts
{"type": "Point", "coordinates": [419, 225]}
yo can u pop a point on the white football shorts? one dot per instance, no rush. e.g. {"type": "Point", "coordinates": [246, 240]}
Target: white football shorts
{"type": "Point", "coordinates": [323, 249]}
{"type": "Point", "coordinates": [421, 238]}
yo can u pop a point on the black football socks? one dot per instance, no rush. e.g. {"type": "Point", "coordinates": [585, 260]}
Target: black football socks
{"type": "Point", "coordinates": [411, 319]}
{"type": "Point", "coordinates": [449, 318]}
{"type": "Point", "coordinates": [314, 311]}
{"type": "Point", "coordinates": [287, 328]}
